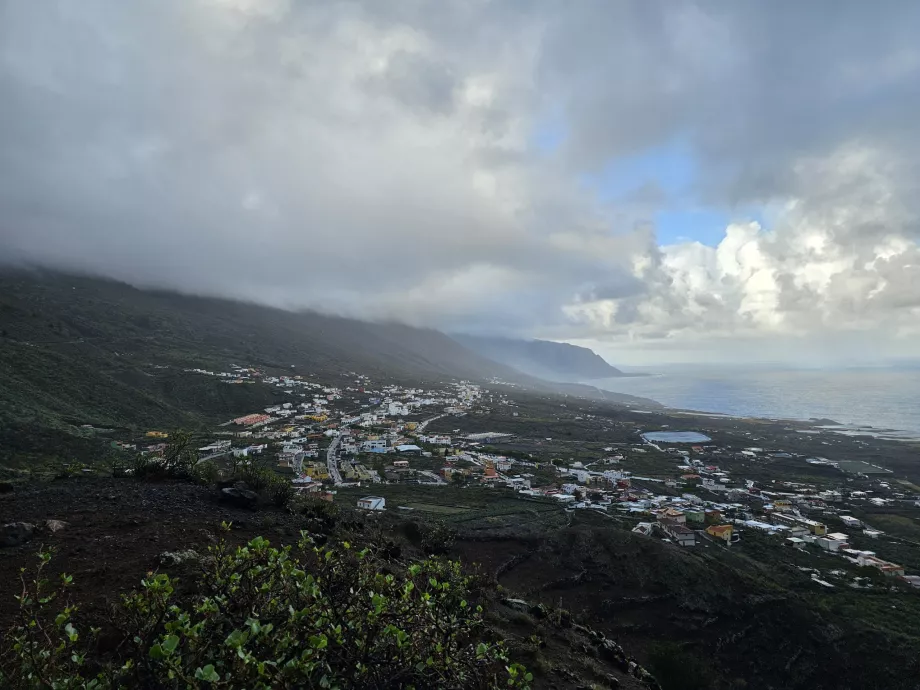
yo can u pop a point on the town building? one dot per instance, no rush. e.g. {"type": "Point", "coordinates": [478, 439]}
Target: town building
{"type": "Point", "coordinates": [372, 503]}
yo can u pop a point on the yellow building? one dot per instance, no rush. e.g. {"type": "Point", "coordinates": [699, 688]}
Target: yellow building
{"type": "Point", "coordinates": [723, 532]}
{"type": "Point", "coordinates": [316, 471]}
{"type": "Point", "coordinates": [156, 434]}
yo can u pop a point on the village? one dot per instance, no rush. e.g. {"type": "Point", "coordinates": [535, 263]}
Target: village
{"type": "Point", "coordinates": [335, 440]}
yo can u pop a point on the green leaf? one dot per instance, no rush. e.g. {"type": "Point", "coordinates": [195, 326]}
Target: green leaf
{"type": "Point", "coordinates": [237, 638]}
{"type": "Point", "coordinates": [207, 674]}
{"type": "Point", "coordinates": [169, 643]}
{"type": "Point", "coordinates": [156, 652]}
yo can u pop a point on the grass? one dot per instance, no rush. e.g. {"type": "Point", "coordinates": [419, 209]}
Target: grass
{"type": "Point", "coordinates": [442, 510]}
{"type": "Point", "coordinates": [859, 466]}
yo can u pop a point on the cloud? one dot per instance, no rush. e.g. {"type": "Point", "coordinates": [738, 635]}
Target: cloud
{"type": "Point", "coordinates": [383, 160]}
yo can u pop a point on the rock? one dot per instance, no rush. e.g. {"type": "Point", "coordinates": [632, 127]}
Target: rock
{"type": "Point", "coordinates": [517, 605]}
{"type": "Point", "coordinates": [179, 557]}
{"type": "Point", "coordinates": [16, 533]}
{"type": "Point", "coordinates": [539, 611]}
{"type": "Point", "coordinates": [613, 681]}
{"type": "Point", "coordinates": [55, 526]}
{"type": "Point", "coordinates": [6, 487]}
{"type": "Point", "coordinates": [240, 498]}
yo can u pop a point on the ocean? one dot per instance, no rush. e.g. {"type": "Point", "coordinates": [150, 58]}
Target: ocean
{"type": "Point", "coordinates": [882, 401]}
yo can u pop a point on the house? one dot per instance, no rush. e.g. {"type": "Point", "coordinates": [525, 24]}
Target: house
{"type": "Point", "coordinates": [829, 544]}
{"type": "Point", "coordinates": [673, 515]}
{"type": "Point", "coordinates": [372, 503]}
{"type": "Point", "coordinates": [409, 449]}
{"type": "Point", "coordinates": [888, 568]}
{"type": "Point", "coordinates": [796, 542]}
{"type": "Point", "coordinates": [644, 528]}
{"type": "Point", "coordinates": [723, 532]}
{"type": "Point", "coordinates": [681, 535]}
{"type": "Point", "coordinates": [400, 464]}
{"type": "Point", "coordinates": [216, 447]}
{"type": "Point", "coordinates": [374, 446]}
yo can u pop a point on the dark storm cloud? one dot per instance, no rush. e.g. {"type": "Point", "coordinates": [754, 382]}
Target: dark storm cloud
{"type": "Point", "coordinates": [379, 159]}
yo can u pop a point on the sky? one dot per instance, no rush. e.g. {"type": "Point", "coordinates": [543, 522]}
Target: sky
{"type": "Point", "coordinates": [663, 182]}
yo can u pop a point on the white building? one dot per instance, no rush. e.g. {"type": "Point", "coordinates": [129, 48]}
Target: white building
{"type": "Point", "coordinates": [372, 503]}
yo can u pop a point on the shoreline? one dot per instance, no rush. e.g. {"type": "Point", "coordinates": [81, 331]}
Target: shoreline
{"type": "Point", "coordinates": [815, 425]}
{"type": "Point", "coordinates": [880, 404]}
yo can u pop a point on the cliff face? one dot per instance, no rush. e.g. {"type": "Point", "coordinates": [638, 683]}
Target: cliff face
{"type": "Point", "coordinates": [542, 358]}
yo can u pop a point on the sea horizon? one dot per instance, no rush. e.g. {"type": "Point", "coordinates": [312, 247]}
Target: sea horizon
{"type": "Point", "coordinates": [879, 400]}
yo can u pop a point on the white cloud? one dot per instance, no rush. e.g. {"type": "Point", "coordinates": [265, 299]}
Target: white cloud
{"type": "Point", "coordinates": [379, 160]}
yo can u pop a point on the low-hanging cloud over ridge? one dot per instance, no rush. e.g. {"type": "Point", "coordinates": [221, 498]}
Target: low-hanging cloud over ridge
{"type": "Point", "coordinates": [393, 160]}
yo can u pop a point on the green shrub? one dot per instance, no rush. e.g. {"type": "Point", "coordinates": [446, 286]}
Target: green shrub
{"type": "Point", "coordinates": [281, 492]}
{"type": "Point", "coordinates": [257, 478]}
{"type": "Point", "coordinates": [438, 538]}
{"type": "Point", "coordinates": [178, 461]}
{"type": "Point", "coordinates": [71, 470]}
{"type": "Point", "coordinates": [205, 473]}
{"type": "Point", "coordinates": [147, 467]}
{"type": "Point", "coordinates": [262, 617]}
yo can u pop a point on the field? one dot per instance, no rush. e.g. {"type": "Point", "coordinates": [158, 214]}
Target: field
{"type": "Point", "coordinates": [861, 467]}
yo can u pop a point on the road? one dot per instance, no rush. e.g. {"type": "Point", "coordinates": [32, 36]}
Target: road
{"type": "Point", "coordinates": [421, 427]}
{"type": "Point", "coordinates": [435, 479]}
{"type": "Point", "coordinates": [332, 462]}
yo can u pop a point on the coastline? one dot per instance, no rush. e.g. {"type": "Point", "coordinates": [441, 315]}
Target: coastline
{"type": "Point", "coordinates": [843, 406]}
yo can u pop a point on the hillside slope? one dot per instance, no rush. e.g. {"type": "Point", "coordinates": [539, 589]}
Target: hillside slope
{"type": "Point", "coordinates": [77, 350]}
{"type": "Point", "coordinates": [542, 358]}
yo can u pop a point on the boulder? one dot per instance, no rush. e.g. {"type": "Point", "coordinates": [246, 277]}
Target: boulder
{"type": "Point", "coordinates": [16, 533]}
{"type": "Point", "coordinates": [240, 498]}
{"type": "Point", "coordinates": [179, 557]}
{"type": "Point", "coordinates": [517, 605]}
{"type": "Point", "coordinates": [55, 526]}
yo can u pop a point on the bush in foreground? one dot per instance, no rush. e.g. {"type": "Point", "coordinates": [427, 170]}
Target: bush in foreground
{"type": "Point", "coordinates": [263, 617]}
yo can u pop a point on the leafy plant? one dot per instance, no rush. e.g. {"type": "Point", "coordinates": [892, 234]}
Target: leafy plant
{"type": "Point", "coordinates": [178, 461]}
{"type": "Point", "coordinates": [263, 617]}
{"type": "Point", "coordinates": [44, 649]}
{"type": "Point", "coordinates": [205, 473]}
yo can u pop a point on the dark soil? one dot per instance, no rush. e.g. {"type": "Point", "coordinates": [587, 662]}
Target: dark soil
{"type": "Point", "coordinates": [117, 529]}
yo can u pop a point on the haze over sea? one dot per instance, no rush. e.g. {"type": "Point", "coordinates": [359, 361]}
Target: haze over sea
{"type": "Point", "coordinates": [886, 399]}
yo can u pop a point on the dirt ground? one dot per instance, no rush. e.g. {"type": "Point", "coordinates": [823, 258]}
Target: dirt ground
{"type": "Point", "coordinates": [116, 530]}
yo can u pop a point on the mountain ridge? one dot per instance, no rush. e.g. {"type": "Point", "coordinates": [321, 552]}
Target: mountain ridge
{"type": "Point", "coordinates": [546, 359]}
{"type": "Point", "coordinates": [72, 345]}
